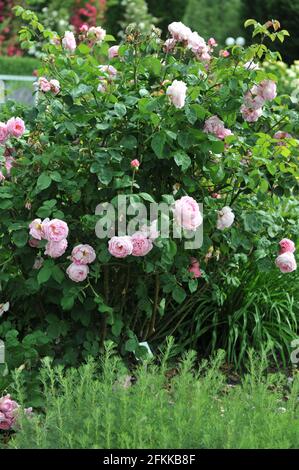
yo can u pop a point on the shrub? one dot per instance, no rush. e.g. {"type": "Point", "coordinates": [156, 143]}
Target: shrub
{"type": "Point", "coordinates": [18, 65]}
{"type": "Point", "coordinates": [153, 126]}
{"type": "Point", "coordinates": [194, 409]}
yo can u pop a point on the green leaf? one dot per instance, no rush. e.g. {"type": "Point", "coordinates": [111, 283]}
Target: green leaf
{"type": "Point", "coordinates": [158, 143]}
{"type": "Point", "coordinates": [178, 294]}
{"type": "Point", "coordinates": [44, 274]}
{"type": "Point", "coordinates": [81, 90]}
{"type": "Point", "coordinates": [131, 345]}
{"type": "Point", "coordinates": [147, 197]}
{"type": "Point", "coordinates": [129, 142]}
{"type": "Point", "coordinates": [103, 308]}
{"type": "Point", "coordinates": [193, 285]}
{"type": "Point", "coordinates": [117, 327]}
{"type": "Point", "coordinates": [57, 274]}
{"type": "Point", "coordinates": [217, 146]}
{"type": "Point", "coordinates": [67, 302]}
{"type": "Point", "coordinates": [251, 222]}
{"type": "Point", "coordinates": [182, 159]}
{"type": "Point", "coordinates": [120, 109]}
{"type": "Point", "coordinates": [6, 204]}
{"type": "Point", "coordinates": [56, 176]}
{"type": "Point", "coordinates": [83, 48]}
{"type": "Point", "coordinates": [20, 238]}
{"type": "Point", "coordinates": [43, 182]}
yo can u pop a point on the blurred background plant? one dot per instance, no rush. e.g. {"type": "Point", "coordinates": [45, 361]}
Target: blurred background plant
{"type": "Point", "coordinates": [136, 12]}
{"type": "Point", "coordinates": [221, 19]}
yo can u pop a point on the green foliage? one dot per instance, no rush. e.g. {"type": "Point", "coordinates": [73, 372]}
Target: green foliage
{"type": "Point", "coordinates": [194, 409]}
{"type": "Point", "coordinates": [286, 12]}
{"type": "Point", "coordinates": [218, 19]}
{"type": "Point", "coordinates": [76, 154]}
{"type": "Point", "coordinates": [18, 65]}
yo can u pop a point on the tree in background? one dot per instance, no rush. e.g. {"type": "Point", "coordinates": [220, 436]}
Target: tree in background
{"type": "Point", "coordinates": [136, 11]}
{"type": "Point", "coordinates": [286, 12]}
{"type": "Point", "coordinates": [218, 18]}
{"type": "Point", "coordinates": [167, 11]}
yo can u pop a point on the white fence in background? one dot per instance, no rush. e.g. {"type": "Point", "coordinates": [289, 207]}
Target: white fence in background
{"type": "Point", "coordinates": [18, 88]}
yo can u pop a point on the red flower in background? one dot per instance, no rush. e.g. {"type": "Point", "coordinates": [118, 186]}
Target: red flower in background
{"type": "Point", "coordinates": [8, 30]}
{"type": "Point", "coordinates": [89, 12]}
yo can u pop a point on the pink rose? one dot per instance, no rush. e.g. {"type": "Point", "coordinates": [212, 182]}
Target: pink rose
{"type": "Point", "coordinates": [224, 54]}
{"type": "Point", "coordinates": [120, 247]}
{"type": "Point", "coordinates": [286, 262]}
{"type": "Point", "coordinates": [56, 249]}
{"type": "Point", "coordinates": [83, 254]}
{"type": "Point", "coordinates": [44, 84]}
{"type": "Point", "coordinates": [194, 268]}
{"type": "Point", "coordinates": [177, 93]}
{"type": "Point", "coordinates": [226, 218]}
{"type": "Point", "coordinates": [97, 33]}
{"type": "Point", "coordinates": [267, 89]}
{"type": "Point", "coordinates": [2, 177]}
{"type": "Point", "coordinates": [253, 101]}
{"type": "Point", "coordinates": [102, 87]}
{"type": "Point", "coordinates": [55, 230]}
{"type": "Point", "coordinates": [169, 45]}
{"type": "Point", "coordinates": [281, 136]}
{"type": "Point", "coordinates": [84, 28]}
{"type": "Point", "coordinates": [55, 86]}
{"type": "Point", "coordinates": [250, 115]}
{"type": "Point", "coordinates": [7, 405]}
{"type": "Point", "coordinates": [286, 245]}
{"type": "Point", "coordinates": [108, 69]}
{"type": "Point", "coordinates": [35, 229]}
{"type": "Point", "coordinates": [141, 244]}
{"type": "Point", "coordinates": [135, 163]}
{"type": "Point", "coordinates": [216, 196]}
{"type": "Point", "coordinates": [16, 126]}
{"type": "Point", "coordinates": [77, 272]}
{"type": "Point", "coordinates": [113, 52]}
{"type": "Point", "coordinates": [69, 41]}
{"type": "Point", "coordinates": [212, 42]}
{"type": "Point", "coordinates": [187, 213]}
{"type": "Point", "coordinates": [215, 126]}
{"type": "Point", "coordinates": [196, 42]}
{"type": "Point", "coordinates": [5, 423]}
{"type": "Point", "coordinates": [9, 163]}
{"type": "Point", "coordinates": [152, 231]}
{"type": "Point", "coordinates": [3, 133]}
{"type": "Point", "coordinates": [179, 31]}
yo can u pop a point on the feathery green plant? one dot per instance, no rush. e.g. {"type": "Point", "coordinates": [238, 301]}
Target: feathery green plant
{"type": "Point", "coordinates": [85, 408]}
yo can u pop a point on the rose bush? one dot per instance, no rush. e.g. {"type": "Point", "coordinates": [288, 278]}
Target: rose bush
{"type": "Point", "coordinates": [156, 124]}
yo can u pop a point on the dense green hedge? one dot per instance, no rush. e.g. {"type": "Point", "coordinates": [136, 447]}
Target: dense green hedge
{"type": "Point", "coordinates": [18, 65]}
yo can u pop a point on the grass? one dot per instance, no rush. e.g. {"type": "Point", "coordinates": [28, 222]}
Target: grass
{"type": "Point", "coordinates": [94, 407]}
